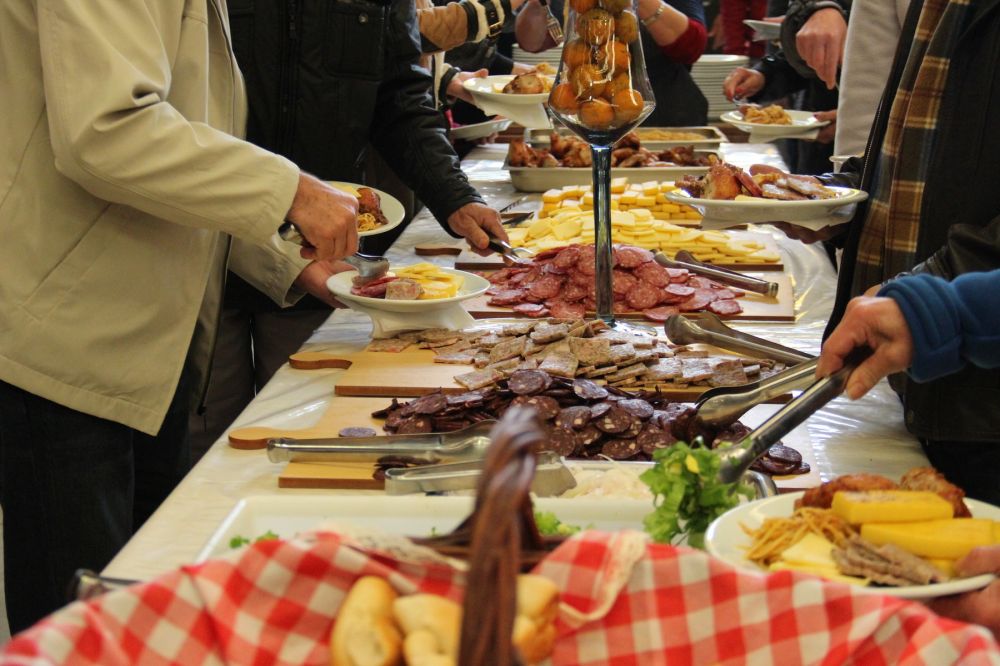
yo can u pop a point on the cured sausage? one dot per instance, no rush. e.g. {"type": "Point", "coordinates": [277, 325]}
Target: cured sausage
{"type": "Point", "coordinates": [622, 282]}
{"type": "Point", "coordinates": [357, 432]}
{"type": "Point", "coordinates": [642, 296]}
{"type": "Point", "coordinates": [654, 274]}
{"type": "Point", "coordinates": [529, 382]}
{"type": "Point", "coordinates": [531, 309]}
{"type": "Point", "coordinates": [564, 310]}
{"type": "Point", "coordinates": [562, 441]}
{"type": "Point", "coordinates": [629, 256]}
{"type": "Point", "coordinates": [545, 287]}
{"type": "Point", "coordinates": [725, 307]}
{"type": "Point", "coordinates": [662, 313]}
{"type": "Point", "coordinates": [589, 390]}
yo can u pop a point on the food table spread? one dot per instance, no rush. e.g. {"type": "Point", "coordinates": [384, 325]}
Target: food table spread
{"type": "Point", "coordinates": [845, 437]}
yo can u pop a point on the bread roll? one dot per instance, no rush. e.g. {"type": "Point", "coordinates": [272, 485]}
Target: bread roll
{"type": "Point", "coordinates": [364, 633]}
{"type": "Point", "coordinates": [441, 617]}
{"type": "Point", "coordinates": [534, 632]}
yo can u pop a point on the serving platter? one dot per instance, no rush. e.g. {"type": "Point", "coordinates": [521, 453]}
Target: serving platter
{"type": "Point", "coordinates": [727, 540]}
{"type": "Point", "coordinates": [761, 211]}
{"type": "Point", "coordinates": [802, 122]}
{"type": "Point", "coordinates": [540, 179]}
{"type": "Point", "coordinates": [479, 130]}
{"type": "Point", "coordinates": [391, 207]}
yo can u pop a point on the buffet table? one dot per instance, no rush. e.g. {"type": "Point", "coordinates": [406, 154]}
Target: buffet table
{"type": "Point", "coordinates": [846, 437]}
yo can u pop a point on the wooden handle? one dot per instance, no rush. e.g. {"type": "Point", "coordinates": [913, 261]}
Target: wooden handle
{"type": "Point", "coordinates": [436, 250]}
{"type": "Point", "coordinates": [317, 361]}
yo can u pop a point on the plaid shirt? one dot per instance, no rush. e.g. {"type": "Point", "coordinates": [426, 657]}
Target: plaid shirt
{"type": "Point", "coordinates": [888, 242]}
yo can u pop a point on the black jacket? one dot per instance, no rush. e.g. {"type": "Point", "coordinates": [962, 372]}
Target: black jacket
{"type": "Point", "coordinates": [960, 216]}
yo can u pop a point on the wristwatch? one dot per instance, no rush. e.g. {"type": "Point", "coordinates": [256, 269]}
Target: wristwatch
{"type": "Point", "coordinates": [651, 19]}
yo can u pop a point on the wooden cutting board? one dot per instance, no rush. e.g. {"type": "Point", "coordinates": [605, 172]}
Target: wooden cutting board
{"type": "Point", "coordinates": [413, 372]}
{"type": "Point", "coordinates": [345, 412]}
{"type": "Point", "coordinates": [755, 306]}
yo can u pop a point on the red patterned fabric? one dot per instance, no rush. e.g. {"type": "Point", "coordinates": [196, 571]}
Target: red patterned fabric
{"type": "Point", "coordinates": [274, 602]}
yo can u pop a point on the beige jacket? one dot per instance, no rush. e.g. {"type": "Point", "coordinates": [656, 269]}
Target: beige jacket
{"type": "Point", "coordinates": [119, 180]}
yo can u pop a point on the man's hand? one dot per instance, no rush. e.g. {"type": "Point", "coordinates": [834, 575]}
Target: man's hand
{"type": "Point", "coordinates": [327, 217]}
{"type": "Point", "coordinates": [313, 277]}
{"type": "Point", "coordinates": [456, 87]}
{"type": "Point", "coordinates": [741, 83]}
{"type": "Point", "coordinates": [828, 133]}
{"type": "Point", "coordinates": [473, 221]}
{"type": "Point", "coordinates": [877, 323]}
{"type": "Point", "coordinates": [820, 42]}
{"type": "Point", "coordinates": [982, 606]}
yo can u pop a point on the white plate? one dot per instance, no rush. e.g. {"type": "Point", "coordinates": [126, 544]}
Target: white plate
{"type": "Point", "coordinates": [340, 284]}
{"type": "Point", "coordinates": [726, 540]}
{"type": "Point", "coordinates": [409, 515]}
{"type": "Point", "coordinates": [760, 211]}
{"type": "Point", "coordinates": [486, 88]}
{"type": "Point", "coordinates": [802, 121]}
{"type": "Point", "coordinates": [391, 207]}
{"type": "Point", "coordinates": [764, 31]}
{"type": "Point", "coordinates": [479, 130]}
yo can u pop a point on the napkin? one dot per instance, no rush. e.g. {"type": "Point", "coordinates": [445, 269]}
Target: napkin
{"type": "Point", "coordinates": [387, 324]}
{"type": "Point", "coordinates": [756, 136]}
{"type": "Point", "coordinates": [532, 116]}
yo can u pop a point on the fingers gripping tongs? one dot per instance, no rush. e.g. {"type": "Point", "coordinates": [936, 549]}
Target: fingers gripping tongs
{"type": "Point", "coordinates": [369, 267]}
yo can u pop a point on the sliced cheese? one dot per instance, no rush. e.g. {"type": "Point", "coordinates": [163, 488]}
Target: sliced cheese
{"type": "Point", "coordinates": [889, 506]}
{"type": "Point", "coordinates": [944, 539]}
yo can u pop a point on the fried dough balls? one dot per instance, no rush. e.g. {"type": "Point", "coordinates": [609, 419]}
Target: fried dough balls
{"type": "Point", "coordinates": [615, 6]}
{"type": "Point", "coordinates": [613, 57]}
{"type": "Point", "coordinates": [596, 26]}
{"type": "Point", "coordinates": [597, 114]}
{"type": "Point", "coordinates": [576, 53]}
{"type": "Point", "coordinates": [563, 99]}
{"type": "Point", "coordinates": [587, 81]}
{"type": "Point", "coordinates": [626, 27]}
{"type": "Point", "coordinates": [582, 6]}
{"type": "Point", "coordinates": [627, 106]}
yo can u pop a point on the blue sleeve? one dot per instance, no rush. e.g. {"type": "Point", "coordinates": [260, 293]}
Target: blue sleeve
{"type": "Point", "coordinates": [691, 8]}
{"type": "Point", "coordinates": [952, 323]}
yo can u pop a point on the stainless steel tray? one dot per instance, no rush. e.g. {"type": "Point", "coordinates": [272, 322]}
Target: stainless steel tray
{"type": "Point", "coordinates": [540, 179]}
{"type": "Point", "coordinates": [711, 137]}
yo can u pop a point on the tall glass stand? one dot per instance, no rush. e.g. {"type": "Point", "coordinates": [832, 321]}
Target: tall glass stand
{"type": "Point", "coordinates": [602, 232]}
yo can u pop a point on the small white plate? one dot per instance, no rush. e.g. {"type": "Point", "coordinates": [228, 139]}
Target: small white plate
{"type": "Point", "coordinates": [802, 122]}
{"type": "Point", "coordinates": [761, 211]}
{"type": "Point", "coordinates": [341, 283]}
{"type": "Point", "coordinates": [479, 130]}
{"type": "Point", "coordinates": [391, 207]}
{"type": "Point", "coordinates": [486, 88]}
{"type": "Point", "coordinates": [764, 31]}
{"type": "Point", "coordinates": [726, 540]}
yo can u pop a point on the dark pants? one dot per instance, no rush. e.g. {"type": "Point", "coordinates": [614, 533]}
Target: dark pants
{"type": "Point", "coordinates": [74, 489]}
{"type": "Point", "coordinates": [972, 466]}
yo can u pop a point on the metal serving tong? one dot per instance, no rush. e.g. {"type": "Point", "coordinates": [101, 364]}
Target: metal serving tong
{"type": "Point", "coordinates": [736, 460]}
{"type": "Point", "coordinates": [369, 267]}
{"type": "Point", "coordinates": [709, 329]}
{"type": "Point", "coordinates": [721, 406]}
{"type": "Point", "coordinates": [469, 443]}
{"type": "Point", "coordinates": [507, 251]}
{"type": "Point", "coordinates": [552, 477]}
{"type": "Point", "coordinates": [686, 260]}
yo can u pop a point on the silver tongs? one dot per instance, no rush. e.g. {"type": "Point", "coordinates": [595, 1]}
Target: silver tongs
{"type": "Point", "coordinates": [369, 267]}
{"type": "Point", "coordinates": [469, 443]}
{"type": "Point", "coordinates": [736, 460]}
{"type": "Point", "coordinates": [686, 260]}
{"type": "Point", "coordinates": [709, 329]}
{"type": "Point", "coordinates": [507, 251]}
{"type": "Point", "coordinates": [721, 406]}
{"type": "Point", "coordinates": [552, 477]}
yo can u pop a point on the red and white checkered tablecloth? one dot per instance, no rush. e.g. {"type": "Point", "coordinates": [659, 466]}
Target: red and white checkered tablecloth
{"type": "Point", "coordinates": [624, 602]}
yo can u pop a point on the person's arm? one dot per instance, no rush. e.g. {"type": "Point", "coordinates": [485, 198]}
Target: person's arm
{"type": "Point", "coordinates": [444, 27]}
{"type": "Point", "coordinates": [780, 78]}
{"type": "Point", "coordinates": [823, 31]}
{"type": "Point", "coordinates": [678, 31]}
{"type": "Point", "coordinates": [107, 80]}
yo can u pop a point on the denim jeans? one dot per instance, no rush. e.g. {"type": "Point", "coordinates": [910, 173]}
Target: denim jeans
{"type": "Point", "coordinates": [74, 488]}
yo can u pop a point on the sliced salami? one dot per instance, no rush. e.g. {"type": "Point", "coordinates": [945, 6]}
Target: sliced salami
{"type": "Point", "coordinates": [430, 404]}
{"type": "Point", "coordinates": [585, 262]}
{"type": "Point", "coordinates": [699, 301]}
{"type": "Point", "coordinates": [359, 432]}
{"type": "Point", "coordinates": [564, 310]}
{"type": "Point", "coordinates": [589, 390]}
{"type": "Point", "coordinates": [642, 296]}
{"type": "Point", "coordinates": [507, 297]}
{"type": "Point", "coordinates": [615, 421]}
{"type": "Point", "coordinates": [654, 274]}
{"type": "Point", "coordinates": [679, 290]}
{"type": "Point", "coordinates": [567, 258]}
{"type": "Point", "coordinates": [700, 282]}
{"type": "Point", "coordinates": [561, 441]}
{"type": "Point", "coordinates": [529, 382]}
{"type": "Point", "coordinates": [531, 309]}
{"type": "Point", "coordinates": [415, 425]}
{"type": "Point", "coordinates": [629, 256]}
{"type": "Point", "coordinates": [724, 293]}
{"type": "Point", "coordinates": [661, 314]}
{"type": "Point", "coordinates": [622, 282]}
{"type": "Point", "coordinates": [547, 286]}
{"type": "Point", "coordinates": [637, 407]}
{"type": "Point", "coordinates": [725, 308]}
{"type": "Point", "coordinates": [620, 449]}
{"type": "Point", "coordinates": [573, 292]}
{"type": "Point", "coordinates": [678, 275]}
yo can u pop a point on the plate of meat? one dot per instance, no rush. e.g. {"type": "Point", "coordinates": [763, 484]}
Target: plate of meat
{"type": "Point", "coordinates": [772, 119]}
{"type": "Point", "coordinates": [729, 194]}
{"type": "Point", "coordinates": [378, 211]}
{"type": "Point", "coordinates": [530, 88]}
{"type": "Point", "coordinates": [394, 293]}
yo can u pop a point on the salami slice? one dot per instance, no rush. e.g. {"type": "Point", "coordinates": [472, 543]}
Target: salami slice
{"type": "Point", "coordinates": [528, 382]}
{"type": "Point", "coordinates": [430, 404]}
{"type": "Point", "coordinates": [679, 290]}
{"type": "Point", "coordinates": [545, 255]}
{"type": "Point", "coordinates": [567, 257]}
{"type": "Point", "coordinates": [662, 313]}
{"type": "Point", "coordinates": [637, 407]}
{"type": "Point", "coordinates": [564, 310]}
{"type": "Point", "coordinates": [615, 421]}
{"type": "Point", "coordinates": [545, 287]}
{"type": "Point", "coordinates": [654, 274]}
{"type": "Point", "coordinates": [642, 296]}
{"type": "Point", "coordinates": [561, 441]}
{"type": "Point", "coordinates": [620, 449]}
{"type": "Point", "coordinates": [574, 292]}
{"type": "Point", "coordinates": [359, 432]}
{"type": "Point", "coordinates": [725, 308]}
{"type": "Point", "coordinates": [678, 275]}
{"type": "Point", "coordinates": [622, 282]}
{"type": "Point", "coordinates": [629, 256]}
{"type": "Point", "coordinates": [576, 417]}
{"type": "Point", "coordinates": [415, 425]}
{"type": "Point", "coordinates": [507, 297]}
{"type": "Point", "coordinates": [724, 294]}
{"type": "Point", "coordinates": [700, 282]}
{"type": "Point", "coordinates": [589, 390]}
{"type": "Point", "coordinates": [698, 301]}
{"type": "Point", "coordinates": [531, 309]}
{"type": "Point", "coordinates": [585, 262]}
{"type": "Point", "coordinates": [552, 269]}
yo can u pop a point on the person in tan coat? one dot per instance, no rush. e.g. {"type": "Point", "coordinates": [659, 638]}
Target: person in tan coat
{"type": "Point", "coordinates": [123, 190]}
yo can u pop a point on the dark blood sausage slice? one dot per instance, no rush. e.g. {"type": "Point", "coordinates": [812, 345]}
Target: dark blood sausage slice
{"type": "Point", "coordinates": [357, 432]}
{"type": "Point", "coordinates": [547, 407]}
{"type": "Point", "coordinates": [643, 296]}
{"type": "Point", "coordinates": [529, 382]}
{"type": "Point", "coordinates": [654, 274]}
{"type": "Point", "coordinates": [620, 449]}
{"type": "Point", "coordinates": [576, 417]}
{"type": "Point", "coordinates": [652, 438]}
{"type": "Point", "coordinates": [430, 404]}
{"type": "Point", "coordinates": [600, 409]}
{"type": "Point", "coordinates": [567, 258]}
{"type": "Point", "coordinates": [784, 454]}
{"type": "Point", "coordinates": [637, 407]}
{"type": "Point", "coordinates": [585, 262]}
{"type": "Point", "coordinates": [564, 310]}
{"type": "Point", "coordinates": [415, 425]}
{"type": "Point", "coordinates": [615, 421]}
{"type": "Point", "coordinates": [589, 390]}
{"type": "Point", "coordinates": [725, 307]}
{"type": "Point", "coordinates": [662, 313]}
{"type": "Point", "coordinates": [628, 256]}
{"type": "Point", "coordinates": [589, 435]}
{"type": "Point", "coordinates": [622, 282]}
{"type": "Point", "coordinates": [697, 302]}
{"type": "Point", "coordinates": [561, 441]}
{"type": "Point", "coordinates": [545, 287]}
{"type": "Point", "coordinates": [531, 309]}
{"type": "Point", "coordinates": [507, 297]}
